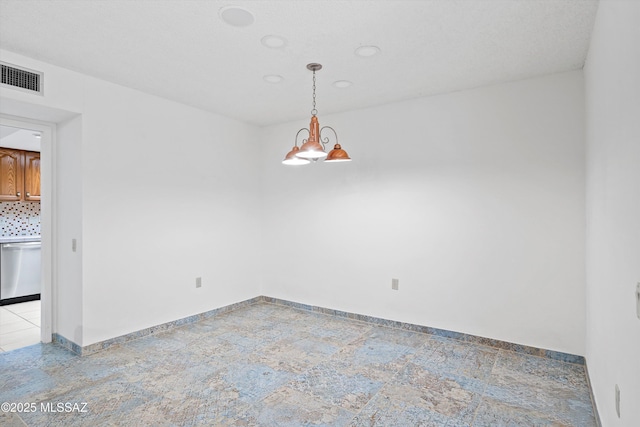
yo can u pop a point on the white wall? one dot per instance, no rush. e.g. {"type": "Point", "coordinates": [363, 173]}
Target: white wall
{"type": "Point", "coordinates": [612, 77]}
{"type": "Point", "coordinates": [474, 200]}
{"type": "Point", "coordinates": [171, 194]}
{"type": "Point", "coordinates": [168, 193]}
{"type": "Point", "coordinates": [68, 289]}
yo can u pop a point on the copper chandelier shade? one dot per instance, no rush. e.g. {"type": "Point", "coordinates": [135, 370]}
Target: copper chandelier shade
{"type": "Point", "coordinates": [312, 148]}
{"type": "Point", "coordinates": [337, 155]}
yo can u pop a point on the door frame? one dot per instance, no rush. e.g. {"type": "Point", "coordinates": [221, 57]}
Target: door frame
{"type": "Point", "coordinates": [47, 216]}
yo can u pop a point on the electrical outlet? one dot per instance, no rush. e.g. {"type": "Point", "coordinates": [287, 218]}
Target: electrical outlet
{"type": "Point", "coordinates": [74, 245]}
{"type": "Point", "coordinates": [198, 282]}
{"type": "Point", "coordinates": [618, 400]}
{"type": "Point", "coordinates": [394, 284]}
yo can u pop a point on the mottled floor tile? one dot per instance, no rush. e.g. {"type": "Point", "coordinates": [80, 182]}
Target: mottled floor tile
{"type": "Point", "coordinates": [495, 414]}
{"type": "Point", "coordinates": [8, 419]}
{"type": "Point", "coordinates": [556, 389]}
{"type": "Point", "coordinates": [399, 406]}
{"type": "Point", "coordinates": [372, 358]}
{"type": "Point", "coordinates": [450, 395]}
{"type": "Point", "coordinates": [398, 337]}
{"type": "Point", "coordinates": [295, 355]}
{"type": "Point", "coordinates": [539, 368]}
{"type": "Point", "coordinates": [268, 365]}
{"type": "Point", "coordinates": [254, 382]}
{"type": "Point", "coordinates": [290, 408]}
{"type": "Point", "coordinates": [350, 391]}
{"type": "Point", "coordinates": [450, 356]}
{"type": "Point", "coordinates": [336, 331]}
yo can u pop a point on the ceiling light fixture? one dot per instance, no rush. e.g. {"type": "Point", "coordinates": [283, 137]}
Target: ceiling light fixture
{"type": "Point", "coordinates": [367, 51]}
{"type": "Point", "coordinates": [273, 78]}
{"type": "Point", "coordinates": [312, 148]}
{"type": "Point", "coordinates": [273, 42]}
{"type": "Point", "coordinates": [342, 84]}
{"type": "Point", "coordinates": [236, 16]}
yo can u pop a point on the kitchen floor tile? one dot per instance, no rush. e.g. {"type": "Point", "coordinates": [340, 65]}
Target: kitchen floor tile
{"type": "Point", "coordinates": [22, 342]}
{"type": "Point", "coordinates": [15, 336]}
{"type": "Point", "coordinates": [24, 307]}
{"type": "Point", "coordinates": [19, 325]}
{"type": "Point", "coordinates": [30, 315]}
{"type": "Point", "coordinates": [7, 317]}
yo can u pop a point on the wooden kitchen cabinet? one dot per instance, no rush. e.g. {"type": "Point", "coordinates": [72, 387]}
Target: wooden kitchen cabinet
{"type": "Point", "coordinates": [11, 175]}
{"type": "Point", "coordinates": [19, 175]}
{"type": "Point", "coordinates": [31, 176]}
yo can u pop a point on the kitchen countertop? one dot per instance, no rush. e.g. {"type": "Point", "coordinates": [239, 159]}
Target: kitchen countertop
{"type": "Point", "coordinates": [15, 239]}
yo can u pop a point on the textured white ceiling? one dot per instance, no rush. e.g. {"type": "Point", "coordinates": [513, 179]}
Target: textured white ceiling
{"type": "Point", "coordinates": [182, 50]}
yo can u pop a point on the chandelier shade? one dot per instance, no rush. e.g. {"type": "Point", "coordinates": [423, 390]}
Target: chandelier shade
{"type": "Point", "coordinates": [337, 155]}
{"type": "Point", "coordinates": [292, 159]}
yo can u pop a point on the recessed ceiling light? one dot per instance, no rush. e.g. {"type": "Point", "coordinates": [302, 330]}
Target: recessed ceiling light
{"type": "Point", "coordinates": [341, 84]}
{"type": "Point", "coordinates": [273, 78]}
{"type": "Point", "coordinates": [273, 42]}
{"type": "Point", "coordinates": [367, 51]}
{"type": "Point", "coordinates": [236, 16]}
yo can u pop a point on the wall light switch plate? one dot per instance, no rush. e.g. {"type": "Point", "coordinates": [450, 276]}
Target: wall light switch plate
{"type": "Point", "coordinates": [394, 284]}
{"type": "Point", "coordinates": [198, 282]}
{"type": "Point", "coordinates": [638, 300]}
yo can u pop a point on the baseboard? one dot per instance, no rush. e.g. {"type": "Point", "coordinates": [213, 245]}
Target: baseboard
{"type": "Point", "coordinates": [504, 345]}
{"type": "Point", "coordinates": [596, 415]}
{"type": "Point", "coordinates": [103, 345]}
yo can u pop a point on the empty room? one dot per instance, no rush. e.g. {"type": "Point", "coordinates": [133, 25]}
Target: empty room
{"type": "Point", "coordinates": [320, 213]}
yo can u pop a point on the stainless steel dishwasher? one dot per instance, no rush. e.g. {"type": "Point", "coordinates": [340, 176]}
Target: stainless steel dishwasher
{"type": "Point", "coordinates": [20, 278]}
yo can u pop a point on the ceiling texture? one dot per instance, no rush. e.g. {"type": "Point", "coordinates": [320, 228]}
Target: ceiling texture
{"type": "Point", "coordinates": [182, 49]}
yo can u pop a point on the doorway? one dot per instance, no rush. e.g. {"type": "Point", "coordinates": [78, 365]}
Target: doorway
{"type": "Point", "coordinates": [25, 318]}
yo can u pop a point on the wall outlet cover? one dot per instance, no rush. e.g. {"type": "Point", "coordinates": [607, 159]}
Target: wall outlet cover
{"type": "Point", "coordinates": [394, 284]}
{"type": "Point", "coordinates": [198, 282]}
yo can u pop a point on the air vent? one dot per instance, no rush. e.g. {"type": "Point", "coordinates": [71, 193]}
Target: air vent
{"type": "Point", "coordinates": [21, 78]}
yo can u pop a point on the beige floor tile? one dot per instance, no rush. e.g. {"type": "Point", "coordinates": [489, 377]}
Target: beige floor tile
{"type": "Point", "coordinates": [21, 343]}
{"type": "Point", "coordinates": [35, 322]}
{"type": "Point", "coordinates": [19, 336]}
{"type": "Point", "coordinates": [20, 325]}
{"type": "Point", "coordinates": [31, 315]}
{"type": "Point", "coordinates": [8, 317]}
{"type": "Point", "coordinates": [23, 307]}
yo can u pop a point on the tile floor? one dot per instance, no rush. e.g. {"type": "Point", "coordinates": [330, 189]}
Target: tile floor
{"type": "Point", "coordinates": [19, 325]}
{"type": "Point", "coordinates": [269, 365]}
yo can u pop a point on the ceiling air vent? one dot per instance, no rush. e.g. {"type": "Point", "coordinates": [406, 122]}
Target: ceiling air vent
{"type": "Point", "coordinates": [21, 78]}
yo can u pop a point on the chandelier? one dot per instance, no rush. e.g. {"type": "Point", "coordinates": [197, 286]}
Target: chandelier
{"type": "Point", "coordinates": [312, 148]}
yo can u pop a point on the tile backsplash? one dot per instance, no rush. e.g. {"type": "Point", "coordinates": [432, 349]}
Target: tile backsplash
{"type": "Point", "coordinates": [19, 219]}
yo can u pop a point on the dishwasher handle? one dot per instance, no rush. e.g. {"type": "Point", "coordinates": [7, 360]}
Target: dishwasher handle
{"type": "Point", "coordinates": [21, 245]}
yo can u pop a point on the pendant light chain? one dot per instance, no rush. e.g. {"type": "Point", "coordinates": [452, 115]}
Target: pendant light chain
{"type": "Point", "coordinates": [314, 111]}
